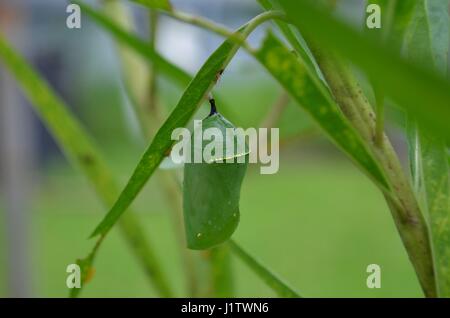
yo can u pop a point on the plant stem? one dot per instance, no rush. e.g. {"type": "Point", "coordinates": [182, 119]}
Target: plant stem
{"type": "Point", "coordinates": [201, 22]}
{"type": "Point", "coordinates": [238, 38]}
{"type": "Point", "coordinates": [379, 129]}
{"type": "Point", "coordinates": [250, 27]}
{"type": "Point", "coordinates": [405, 211]}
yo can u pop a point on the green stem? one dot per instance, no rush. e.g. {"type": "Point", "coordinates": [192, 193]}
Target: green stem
{"type": "Point", "coordinates": [379, 129]}
{"type": "Point", "coordinates": [237, 37]}
{"type": "Point", "coordinates": [201, 22]}
{"type": "Point", "coordinates": [402, 202]}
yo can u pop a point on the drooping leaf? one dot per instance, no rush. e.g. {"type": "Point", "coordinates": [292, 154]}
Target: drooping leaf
{"type": "Point", "coordinates": [180, 116]}
{"type": "Point", "coordinates": [409, 85]}
{"type": "Point", "coordinates": [318, 103]}
{"type": "Point", "coordinates": [211, 187]}
{"type": "Point", "coordinates": [81, 152]}
{"type": "Point", "coordinates": [427, 43]}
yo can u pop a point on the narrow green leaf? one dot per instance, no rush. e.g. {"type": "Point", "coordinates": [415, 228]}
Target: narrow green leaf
{"type": "Point", "coordinates": [318, 103]}
{"type": "Point", "coordinates": [81, 151]}
{"type": "Point", "coordinates": [398, 78]}
{"type": "Point", "coordinates": [156, 4]}
{"type": "Point", "coordinates": [427, 44]}
{"type": "Point", "coordinates": [180, 116]}
{"type": "Point", "coordinates": [280, 287]}
{"type": "Point", "coordinates": [143, 48]}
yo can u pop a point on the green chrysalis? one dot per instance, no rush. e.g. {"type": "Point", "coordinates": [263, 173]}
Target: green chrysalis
{"type": "Point", "coordinates": [212, 188]}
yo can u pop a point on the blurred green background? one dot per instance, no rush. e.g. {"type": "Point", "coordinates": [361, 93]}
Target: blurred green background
{"type": "Point", "coordinates": [318, 223]}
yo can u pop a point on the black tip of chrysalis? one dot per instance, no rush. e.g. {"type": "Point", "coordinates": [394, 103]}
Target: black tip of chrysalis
{"type": "Point", "coordinates": [212, 103]}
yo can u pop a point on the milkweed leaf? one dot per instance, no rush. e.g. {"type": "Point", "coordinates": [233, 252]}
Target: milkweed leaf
{"type": "Point", "coordinates": [427, 43]}
{"type": "Point", "coordinates": [317, 102]}
{"type": "Point", "coordinates": [410, 86]}
{"type": "Point", "coordinates": [180, 116]}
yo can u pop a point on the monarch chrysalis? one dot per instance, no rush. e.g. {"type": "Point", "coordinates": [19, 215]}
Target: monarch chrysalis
{"type": "Point", "coordinates": [211, 190]}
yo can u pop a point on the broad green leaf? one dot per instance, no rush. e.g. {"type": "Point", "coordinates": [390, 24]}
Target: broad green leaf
{"type": "Point", "coordinates": [410, 86]}
{"type": "Point", "coordinates": [211, 188]}
{"type": "Point", "coordinates": [427, 43]}
{"type": "Point", "coordinates": [180, 116]}
{"type": "Point", "coordinates": [143, 48]}
{"type": "Point", "coordinates": [280, 287]}
{"type": "Point", "coordinates": [156, 4]}
{"type": "Point", "coordinates": [81, 151]}
{"type": "Point", "coordinates": [317, 102]}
